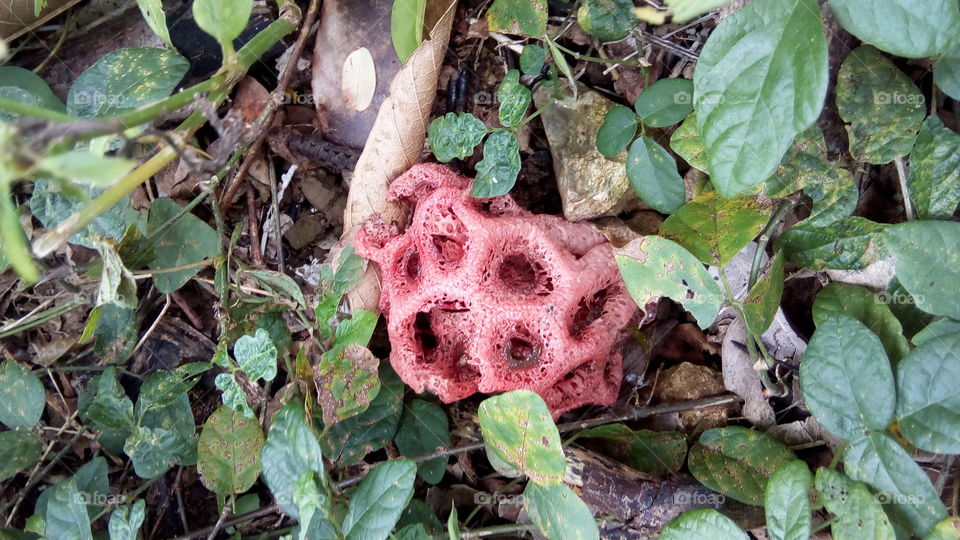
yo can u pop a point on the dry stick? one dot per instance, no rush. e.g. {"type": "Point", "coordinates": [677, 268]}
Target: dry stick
{"type": "Point", "coordinates": [253, 230]}
{"type": "Point", "coordinates": [635, 414]}
{"type": "Point", "coordinates": [266, 116]}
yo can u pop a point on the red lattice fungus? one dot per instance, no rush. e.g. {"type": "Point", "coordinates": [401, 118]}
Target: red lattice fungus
{"type": "Point", "coordinates": [481, 295]}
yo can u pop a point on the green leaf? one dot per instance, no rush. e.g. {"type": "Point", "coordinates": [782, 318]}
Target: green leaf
{"type": "Point", "coordinates": [165, 387]}
{"type": "Point", "coordinates": [879, 461]}
{"type": "Point", "coordinates": [233, 395]}
{"type": "Point", "coordinates": [618, 129]}
{"type": "Point", "coordinates": [518, 429]}
{"type": "Point", "coordinates": [346, 442]}
{"type": "Point", "coordinates": [455, 135]}
{"type": "Point", "coordinates": [609, 20]}
{"type": "Point", "coordinates": [514, 99]}
{"type": "Point", "coordinates": [652, 173]}
{"type": "Point", "coordinates": [412, 532]}
{"type": "Point", "coordinates": [833, 199]}
{"type": "Point", "coordinates": [176, 416]}
{"type": "Point", "coordinates": [760, 80]}
{"type": "Point", "coordinates": [737, 462]}
{"type": "Point", "coordinates": [291, 450]}
{"type": "Point", "coordinates": [521, 17]}
{"type": "Point", "coordinates": [279, 284]}
{"type": "Point", "coordinates": [20, 449]}
{"type": "Point", "coordinates": [424, 428]}
{"type": "Point", "coordinates": [125, 79]}
{"type": "Point", "coordinates": [946, 75]}
{"type": "Point", "coordinates": [187, 241]}
{"type": "Point", "coordinates": [928, 263]}
{"type": "Point", "coordinates": [705, 523]}
{"type": "Point", "coordinates": [377, 502]}
{"type": "Point", "coordinates": [152, 11]}
{"type": "Point", "coordinates": [358, 329]}
{"type": "Point", "coordinates": [715, 228]}
{"type": "Point", "coordinates": [54, 201]}
{"type": "Point", "coordinates": [22, 398]}
{"type": "Point", "coordinates": [347, 382]}
{"type": "Point", "coordinates": [928, 398]}
{"type": "Point", "coordinates": [31, 83]}
{"type": "Point", "coordinates": [688, 144]}
{"type": "Point", "coordinates": [882, 107]}
{"type": "Point", "coordinates": [948, 529]}
{"type": "Point", "coordinates": [684, 10]}
{"type": "Point", "coordinates": [497, 171]}
{"type": "Point", "coordinates": [154, 450]}
{"type": "Point", "coordinates": [257, 355]}
{"type": "Point", "coordinates": [559, 513]}
{"type": "Point", "coordinates": [858, 512]}
{"type": "Point", "coordinates": [350, 268]}
{"type": "Point", "coordinates": [110, 407]}
{"type": "Point", "coordinates": [665, 102]}
{"type": "Point", "coordinates": [761, 303]}
{"type": "Point", "coordinates": [225, 20]}
{"type": "Point", "coordinates": [308, 499]}
{"type": "Point", "coordinates": [908, 29]}
{"type": "Point", "coordinates": [532, 59]}
{"type": "Point", "coordinates": [848, 244]}
{"type": "Point", "coordinates": [66, 516]}
{"type": "Point", "coordinates": [406, 26]}
{"type": "Point", "coordinates": [125, 521]}
{"type": "Point", "coordinates": [939, 327]}
{"type": "Point", "coordinates": [116, 332]}
{"type": "Point", "coordinates": [786, 502]}
{"type": "Point", "coordinates": [659, 267]}
{"type": "Point", "coordinates": [868, 308]}
{"type": "Point", "coordinates": [846, 378]}
{"type": "Point", "coordinates": [934, 182]}
{"type": "Point", "coordinates": [229, 451]}
{"type": "Point", "coordinates": [804, 164]}
{"type": "Point", "coordinates": [654, 452]}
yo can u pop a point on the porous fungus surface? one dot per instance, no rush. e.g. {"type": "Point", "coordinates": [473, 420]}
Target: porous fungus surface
{"type": "Point", "coordinates": [483, 296]}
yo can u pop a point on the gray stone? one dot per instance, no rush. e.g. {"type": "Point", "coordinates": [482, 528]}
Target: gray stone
{"type": "Point", "coordinates": [590, 185]}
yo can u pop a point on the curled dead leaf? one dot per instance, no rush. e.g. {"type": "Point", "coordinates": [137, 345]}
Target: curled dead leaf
{"type": "Point", "coordinates": [394, 145]}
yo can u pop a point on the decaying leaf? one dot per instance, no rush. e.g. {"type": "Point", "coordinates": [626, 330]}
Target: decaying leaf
{"type": "Point", "coordinates": [394, 145]}
{"type": "Point", "coordinates": [346, 382]}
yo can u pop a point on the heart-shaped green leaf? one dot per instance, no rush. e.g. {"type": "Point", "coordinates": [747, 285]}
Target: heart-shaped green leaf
{"type": "Point", "coordinates": [514, 99]}
{"type": "Point", "coordinates": [228, 455]}
{"type": "Point", "coordinates": [652, 173]}
{"type": "Point", "coordinates": [934, 182]}
{"type": "Point", "coordinates": [786, 502]}
{"type": "Point", "coordinates": [928, 398]}
{"type": "Point", "coordinates": [497, 171]}
{"type": "Point", "coordinates": [665, 102]}
{"type": "Point", "coordinates": [928, 263]}
{"type": "Point", "coordinates": [760, 80]}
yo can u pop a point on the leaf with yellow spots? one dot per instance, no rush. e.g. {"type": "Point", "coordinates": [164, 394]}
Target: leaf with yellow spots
{"type": "Point", "coordinates": [519, 432]}
{"type": "Point", "coordinates": [228, 455]}
{"type": "Point", "coordinates": [21, 396]}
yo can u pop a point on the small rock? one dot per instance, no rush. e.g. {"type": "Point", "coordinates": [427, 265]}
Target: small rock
{"type": "Point", "coordinates": [688, 381]}
{"type": "Point", "coordinates": [590, 185]}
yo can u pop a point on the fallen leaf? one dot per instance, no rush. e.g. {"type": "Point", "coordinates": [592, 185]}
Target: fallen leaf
{"type": "Point", "coordinates": [358, 79]}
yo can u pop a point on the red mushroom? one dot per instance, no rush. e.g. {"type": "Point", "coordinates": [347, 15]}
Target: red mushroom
{"type": "Point", "coordinates": [481, 295]}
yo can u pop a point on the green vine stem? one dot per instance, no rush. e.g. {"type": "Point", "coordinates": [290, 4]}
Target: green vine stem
{"type": "Point", "coordinates": [253, 50]}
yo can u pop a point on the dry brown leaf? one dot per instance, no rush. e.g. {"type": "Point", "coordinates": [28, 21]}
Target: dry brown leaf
{"type": "Point", "coordinates": [394, 145]}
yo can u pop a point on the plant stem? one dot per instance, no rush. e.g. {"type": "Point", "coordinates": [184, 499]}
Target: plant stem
{"type": "Point", "coordinates": [904, 191]}
{"type": "Point", "coordinates": [764, 239]}
{"type": "Point", "coordinates": [255, 48]}
{"type": "Point", "coordinates": [496, 530]}
{"type": "Point", "coordinates": [596, 59]}
{"type": "Point", "coordinates": [14, 244]}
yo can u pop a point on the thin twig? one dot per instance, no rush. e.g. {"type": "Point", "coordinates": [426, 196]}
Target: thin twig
{"type": "Point", "coordinates": [265, 119]}
{"type": "Point", "coordinates": [904, 191]}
